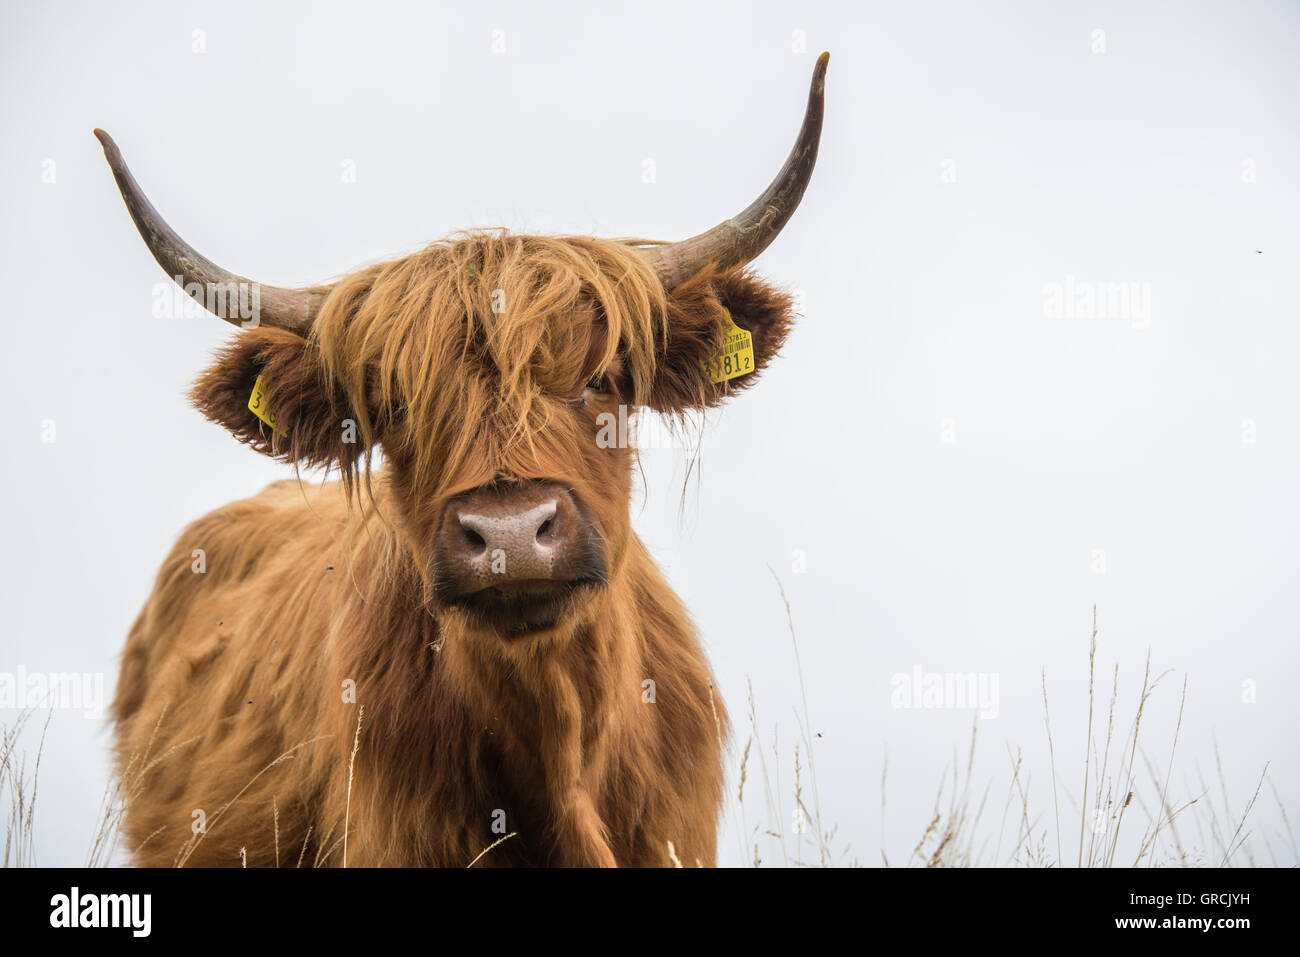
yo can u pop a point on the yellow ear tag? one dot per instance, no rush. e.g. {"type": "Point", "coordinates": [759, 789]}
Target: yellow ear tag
{"type": "Point", "coordinates": [257, 405]}
{"type": "Point", "coordinates": [735, 358]}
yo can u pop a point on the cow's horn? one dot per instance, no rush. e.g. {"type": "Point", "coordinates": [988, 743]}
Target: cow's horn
{"type": "Point", "coordinates": [737, 241]}
{"type": "Point", "coordinates": [204, 280]}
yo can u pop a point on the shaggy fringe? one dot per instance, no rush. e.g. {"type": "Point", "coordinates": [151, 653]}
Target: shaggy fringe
{"type": "Point", "coordinates": [514, 320]}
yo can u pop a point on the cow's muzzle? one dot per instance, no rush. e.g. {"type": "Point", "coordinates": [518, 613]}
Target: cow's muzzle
{"type": "Point", "coordinates": [515, 554]}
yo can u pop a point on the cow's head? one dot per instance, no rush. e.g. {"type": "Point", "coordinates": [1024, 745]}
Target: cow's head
{"type": "Point", "coordinates": [488, 368]}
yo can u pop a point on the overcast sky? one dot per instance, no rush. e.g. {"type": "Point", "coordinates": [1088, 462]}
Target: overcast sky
{"type": "Point", "coordinates": [1047, 267]}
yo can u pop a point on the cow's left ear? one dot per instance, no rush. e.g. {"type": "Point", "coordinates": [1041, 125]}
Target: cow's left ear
{"type": "Point", "coordinates": [700, 314]}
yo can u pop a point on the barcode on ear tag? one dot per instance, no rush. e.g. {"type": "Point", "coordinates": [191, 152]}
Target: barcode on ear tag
{"type": "Point", "coordinates": [257, 405]}
{"type": "Point", "coordinates": [735, 358]}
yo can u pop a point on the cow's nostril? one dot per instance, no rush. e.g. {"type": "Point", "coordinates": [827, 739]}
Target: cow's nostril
{"type": "Point", "coordinates": [544, 528]}
{"type": "Point", "coordinates": [474, 539]}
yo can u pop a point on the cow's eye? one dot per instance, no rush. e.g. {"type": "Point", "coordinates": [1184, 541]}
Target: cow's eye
{"type": "Point", "coordinates": [599, 384]}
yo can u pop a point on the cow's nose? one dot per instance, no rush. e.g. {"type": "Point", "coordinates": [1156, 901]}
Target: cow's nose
{"type": "Point", "coordinates": [514, 535]}
{"type": "Point", "coordinates": [523, 538]}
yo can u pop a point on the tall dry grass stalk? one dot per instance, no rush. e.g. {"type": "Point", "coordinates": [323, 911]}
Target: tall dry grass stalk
{"type": "Point", "coordinates": [805, 819]}
{"type": "Point", "coordinates": [352, 760]}
{"type": "Point", "coordinates": [481, 854]}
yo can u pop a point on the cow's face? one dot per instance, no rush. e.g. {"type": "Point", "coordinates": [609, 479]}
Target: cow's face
{"type": "Point", "coordinates": [496, 373]}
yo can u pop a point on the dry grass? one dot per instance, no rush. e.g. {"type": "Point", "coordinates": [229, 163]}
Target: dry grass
{"type": "Point", "coordinates": [1113, 791]}
{"type": "Point", "coordinates": [20, 845]}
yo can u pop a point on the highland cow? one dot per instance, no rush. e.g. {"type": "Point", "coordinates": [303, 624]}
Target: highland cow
{"type": "Point", "coordinates": [446, 650]}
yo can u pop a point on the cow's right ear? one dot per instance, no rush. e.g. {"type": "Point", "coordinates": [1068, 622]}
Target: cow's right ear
{"type": "Point", "coordinates": [280, 375]}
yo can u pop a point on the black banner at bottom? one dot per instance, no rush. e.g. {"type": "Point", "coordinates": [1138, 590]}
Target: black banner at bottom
{"type": "Point", "coordinates": [245, 906]}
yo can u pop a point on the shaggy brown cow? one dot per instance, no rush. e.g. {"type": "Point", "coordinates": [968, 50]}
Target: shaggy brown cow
{"type": "Point", "coordinates": [407, 665]}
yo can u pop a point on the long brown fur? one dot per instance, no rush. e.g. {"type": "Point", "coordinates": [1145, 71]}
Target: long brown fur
{"type": "Point", "coordinates": [595, 743]}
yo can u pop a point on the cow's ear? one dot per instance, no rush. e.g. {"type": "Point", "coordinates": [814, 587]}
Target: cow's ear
{"type": "Point", "coordinates": [701, 311]}
{"type": "Point", "coordinates": [280, 375]}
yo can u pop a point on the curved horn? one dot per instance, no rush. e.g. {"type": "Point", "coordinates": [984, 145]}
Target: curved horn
{"type": "Point", "coordinates": [738, 240]}
{"type": "Point", "coordinates": [202, 279]}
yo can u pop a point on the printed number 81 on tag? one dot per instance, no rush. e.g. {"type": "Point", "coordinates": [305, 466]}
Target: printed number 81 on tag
{"type": "Point", "coordinates": [736, 358]}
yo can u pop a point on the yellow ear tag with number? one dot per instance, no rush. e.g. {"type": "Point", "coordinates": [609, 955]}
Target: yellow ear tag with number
{"type": "Point", "coordinates": [735, 358]}
{"type": "Point", "coordinates": [257, 405]}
